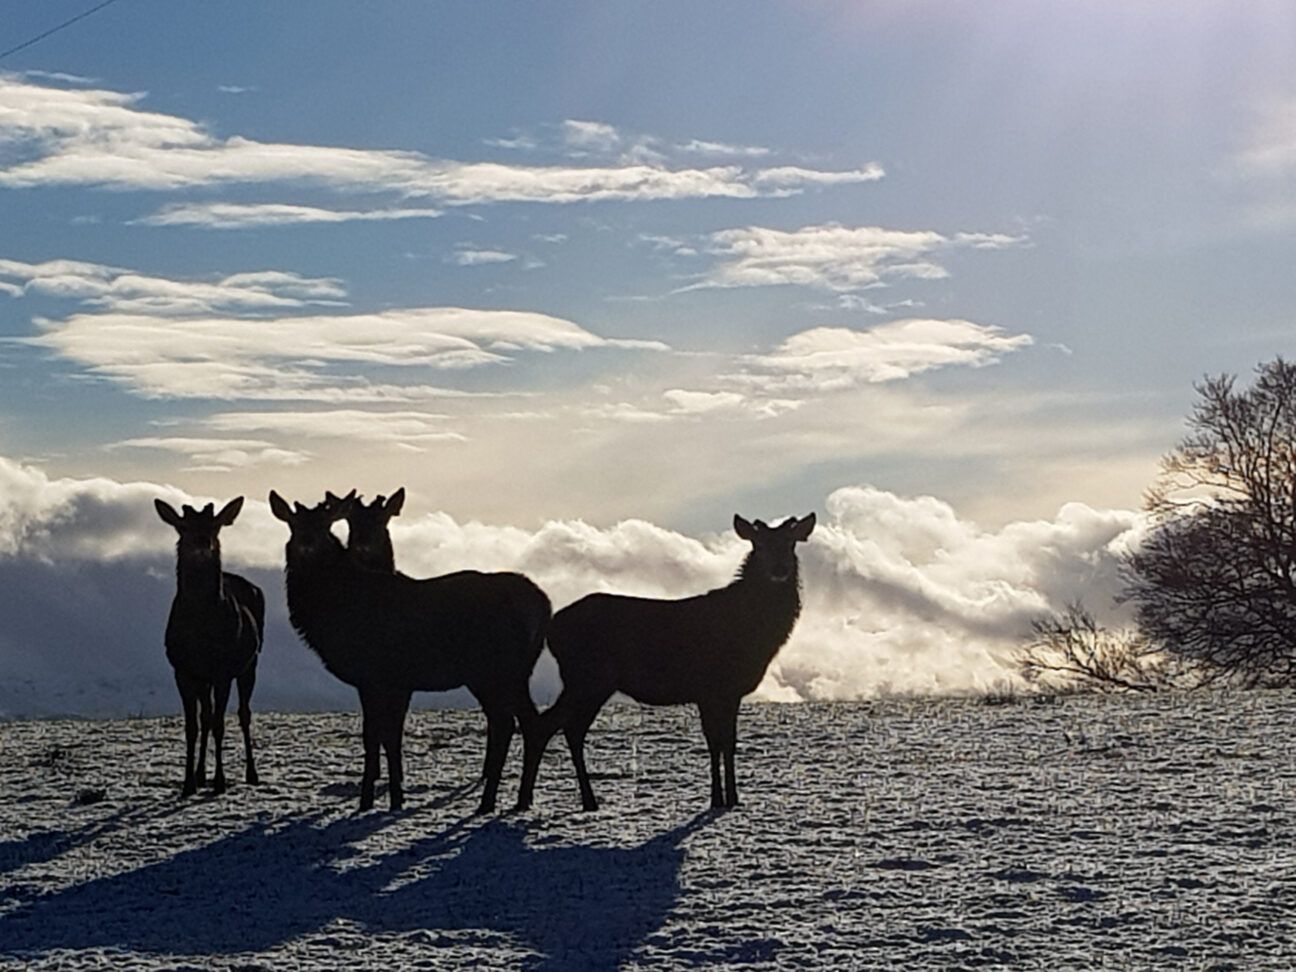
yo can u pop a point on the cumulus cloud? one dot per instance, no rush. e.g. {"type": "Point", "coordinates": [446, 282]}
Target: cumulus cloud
{"type": "Point", "coordinates": [831, 358]}
{"type": "Point", "coordinates": [833, 257]}
{"type": "Point", "coordinates": [95, 137]}
{"type": "Point", "coordinates": [900, 593]}
{"type": "Point", "coordinates": [227, 216]}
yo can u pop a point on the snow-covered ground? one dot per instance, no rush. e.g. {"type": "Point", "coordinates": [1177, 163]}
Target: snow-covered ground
{"type": "Point", "coordinates": [1084, 833]}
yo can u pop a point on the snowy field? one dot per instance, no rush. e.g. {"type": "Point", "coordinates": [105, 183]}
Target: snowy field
{"type": "Point", "coordinates": [1077, 834]}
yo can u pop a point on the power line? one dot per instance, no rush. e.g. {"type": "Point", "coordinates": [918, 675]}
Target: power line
{"type": "Point", "coordinates": [54, 30]}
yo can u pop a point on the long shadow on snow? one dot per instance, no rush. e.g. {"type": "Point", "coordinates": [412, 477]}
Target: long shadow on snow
{"type": "Point", "coordinates": [47, 845]}
{"type": "Point", "coordinates": [274, 882]}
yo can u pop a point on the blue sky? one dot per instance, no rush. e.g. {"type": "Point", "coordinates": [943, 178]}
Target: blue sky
{"type": "Point", "coordinates": [594, 262]}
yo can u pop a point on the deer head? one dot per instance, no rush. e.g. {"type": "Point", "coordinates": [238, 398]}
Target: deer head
{"type": "Point", "coordinates": [199, 529]}
{"type": "Point", "coordinates": [368, 539]}
{"type": "Point", "coordinates": [309, 527]}
{"type": "Point", "coordinates": [773, 553]}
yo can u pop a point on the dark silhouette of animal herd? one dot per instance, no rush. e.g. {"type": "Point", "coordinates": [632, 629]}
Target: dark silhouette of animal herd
{"type": "Point", "coordinates": [389, 635]}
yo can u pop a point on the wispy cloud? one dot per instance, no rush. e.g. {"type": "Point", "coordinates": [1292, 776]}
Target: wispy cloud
{"type": "Point", "coordinates": [699, 146]}
{"type": "Point", "coordinates": [226, 216]}
{"type": "Point", "coordinates": [467, 255]}
{"type": "Point", "coordinates": [410, 429]}
{"type": "Point", "coordinates": [834, 257]}
{"type": "Point", "coordinates": [219, 455]}
{"type": "Point", "coordinates": [245, 336]}
{"type": "Point", "coordinates": [125, 291]}
{"type": "Point", "coordinates": [832, 358]}
{"type": "Point", "coordinates": [106, 139]}
{"type": "Point", "coordinates": [1270, 143]}
{"type": "Point", "coordinates": [694, 403]}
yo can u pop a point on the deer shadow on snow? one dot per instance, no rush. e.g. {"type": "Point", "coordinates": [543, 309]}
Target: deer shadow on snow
{"type": "Point", "coordinates": [274, 882]}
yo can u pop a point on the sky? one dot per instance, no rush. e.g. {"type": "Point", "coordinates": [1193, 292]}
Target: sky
{"type": "Point", "coordinates": [589, 278]}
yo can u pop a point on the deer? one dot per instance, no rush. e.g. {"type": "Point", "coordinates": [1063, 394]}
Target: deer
{"type": "Point", "coordinates": [213, 638]}
{"type": "Point", "coordinates": [709, 650]}
{"type": "Point", "coordinates": [389, 635]}
{"type": "Point", "coordinates": [368, 539]}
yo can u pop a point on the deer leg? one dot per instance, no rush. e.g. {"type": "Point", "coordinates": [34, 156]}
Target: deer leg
{"type": "Point", "coordinates": [575, 729]}
{"type": "Point", "coordinates": [204, 731]}
{"type": "Point", "coordinates": [536, 734]}
{"type": "Point", "coordinates": [719, 725]}
{"type": "Point", "coordinates": [189, 703]}
{"type": "Point", "coordinates": [730, 751]}
{"type": "Point", "coordinates": [369, 731]}
{"type": "Point", "coordinates": [221, 693]}
{"type": "Point", "coordinates": [393, 733]}
{"type": "Point", "coordinates": [246, 681]}
{"type": "Point", "coordinates": [499, 733]}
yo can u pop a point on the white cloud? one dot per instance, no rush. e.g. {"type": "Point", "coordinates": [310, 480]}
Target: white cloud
{"type": "Point", "coordinates": [833, 257]}
{"type": "Point", "coordinates": [124, 291]}
{"type": "Point", "coordinates": [697, 403]}
{"type": "Point", "coordinates": [900, 593]}
{"type": "Point", "coordinates": [290, 357]}
{"type": "Point", "coordinates": [627, 412]}
{"type": "Point", "coordinates": [702, 402]}
{"type": "Point", "coordinates": [795, 177]}
{"type": "Point", "coordinates": [591, 136]}
{"type": "Point", "coordinates": [406, 428]}
{"type": "Point", "coordinates": [1270, 149]}
{"type": "Point", "coordinates": [238, 216]}
{"type": "Point", "coordinates": [466, 256]}
{"type": "Point", "coordinates": [147, 339]}
{"type": "Point", "coordinates": [105, 139]}
{"type": "Point", "coordinates": [831, 358]}
{"type": "Point", "coordinates": [698, 146]}
{"type": "Point", "coordinates": [219, 455]}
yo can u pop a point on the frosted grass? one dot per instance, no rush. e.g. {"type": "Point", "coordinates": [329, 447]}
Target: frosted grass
{"type": "Point", "coordinates": [1084, 833]}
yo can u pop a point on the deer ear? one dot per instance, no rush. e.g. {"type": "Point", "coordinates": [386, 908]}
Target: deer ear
{"type": "Point", "coordinates": [229, 512]}
{"type": "Point", "coordinates": [167, 512]}
{"type": "Point", "coordinates": [743, 528]}
{"type": "Point", "coordinates": [394, 504]}
{"type": "Point", "coordinates": [343, 507]}
{"type": "Point", "coordinates": [803, 528]}
{"type": "Point", "coordinates": [279, 508]}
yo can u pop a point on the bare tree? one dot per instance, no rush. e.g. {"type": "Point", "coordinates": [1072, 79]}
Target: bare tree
{"type": "Point", "coordinates": [1070, 651]}
{"type": "Point", "coordinates": [1215, 580]}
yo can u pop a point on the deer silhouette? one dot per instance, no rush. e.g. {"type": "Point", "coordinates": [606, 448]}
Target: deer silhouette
{"type": "Point", "coordinates": [711, 650]}
{"type": "Point", "coordinates": [389, 635]}
{"type": "Point", "coordinates": [368, 539]}
{"type": "Point", "coordinates": [213, 638]}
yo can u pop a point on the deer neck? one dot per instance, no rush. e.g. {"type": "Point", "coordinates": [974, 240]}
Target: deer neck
{"type": "Point", "coordinates": [198, 577]}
